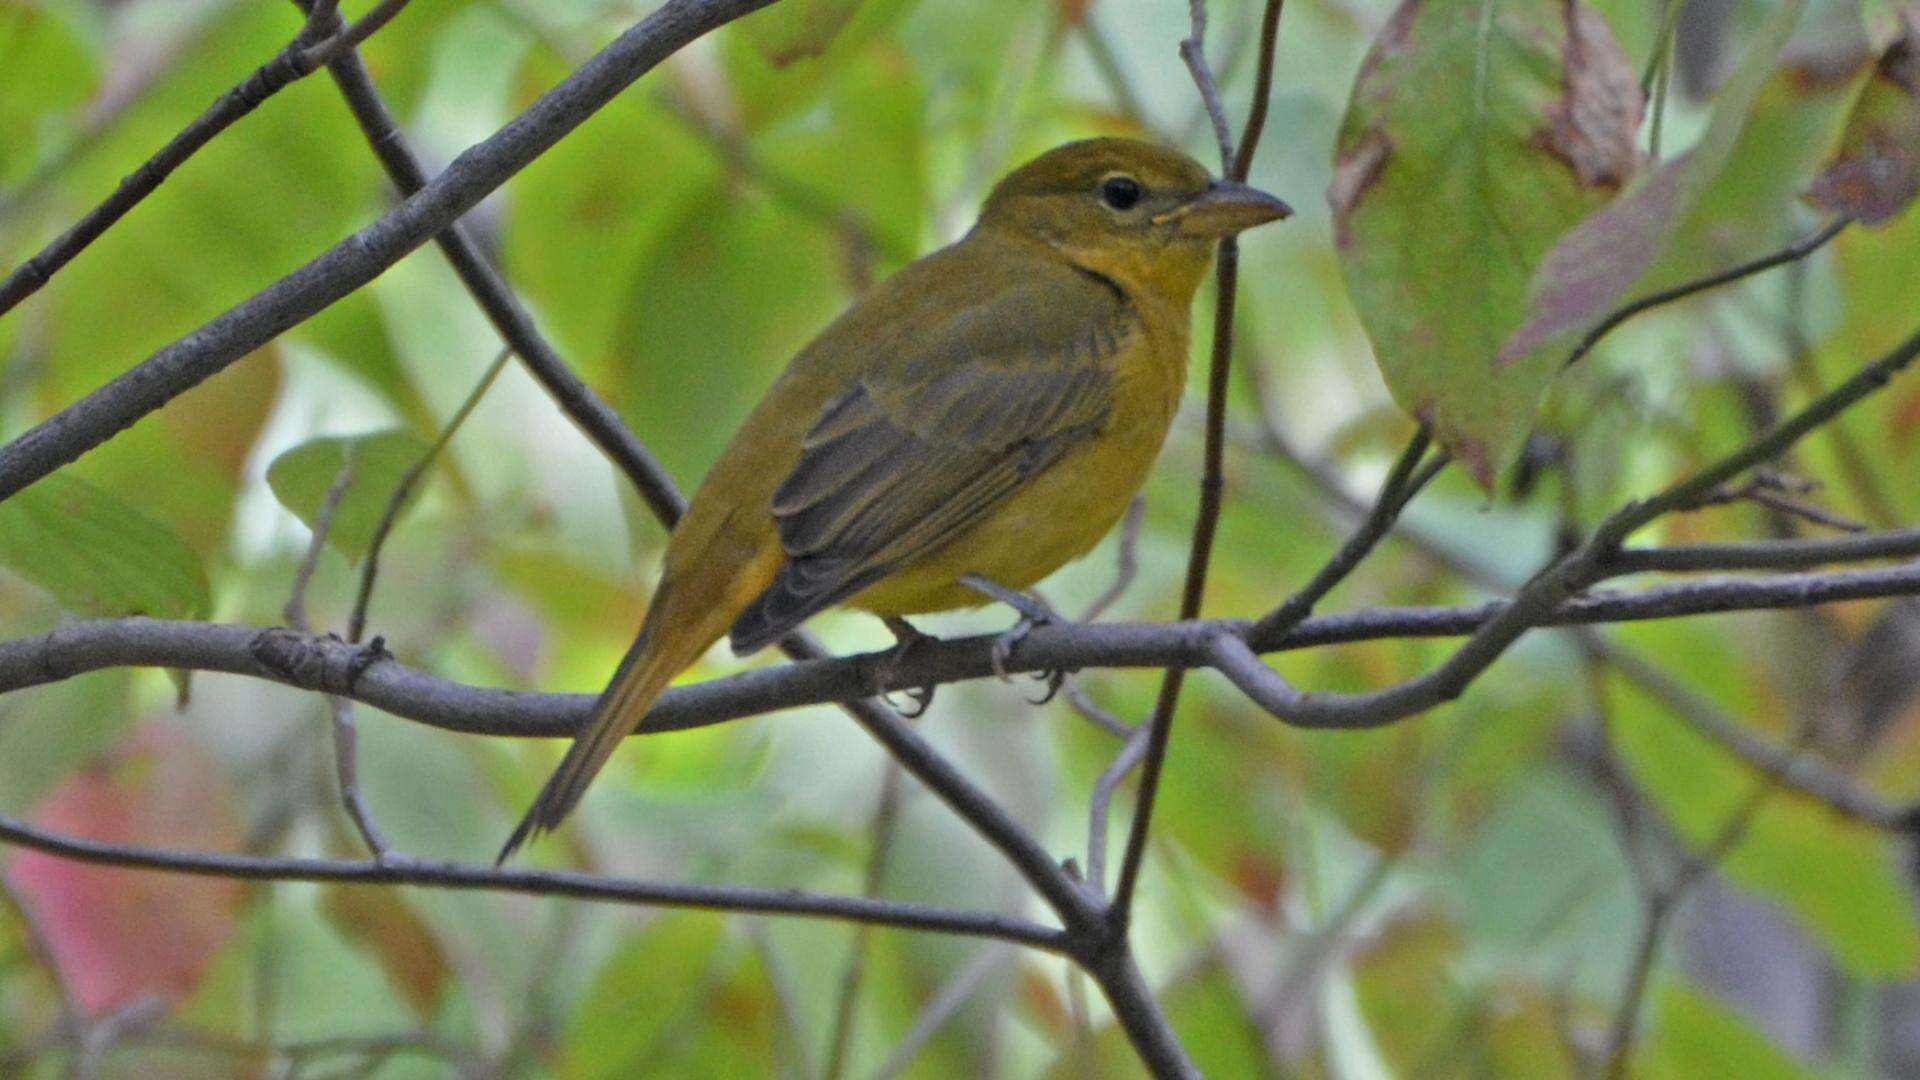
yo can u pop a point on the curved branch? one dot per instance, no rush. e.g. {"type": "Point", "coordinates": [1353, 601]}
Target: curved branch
{"type": "Point", "coordinates": [1793, 252]}
{"type": "Point", "coordinates": [327, 664]}
{"type": "Point", "coordinates": [433, 873]}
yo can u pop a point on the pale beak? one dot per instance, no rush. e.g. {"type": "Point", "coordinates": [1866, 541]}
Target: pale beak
{"type": "Point", "coordinates": [1226, 208]}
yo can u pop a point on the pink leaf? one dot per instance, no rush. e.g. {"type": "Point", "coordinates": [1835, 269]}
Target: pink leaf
{"type": "Point", "coordinates": [119, 935]}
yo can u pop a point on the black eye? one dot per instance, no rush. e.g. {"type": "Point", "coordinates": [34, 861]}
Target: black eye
{"type": "Point", "coordinates": [1120, 192]}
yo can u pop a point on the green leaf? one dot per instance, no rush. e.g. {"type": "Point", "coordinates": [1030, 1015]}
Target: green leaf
{"type": "Point", "coordinates": [799, 28]}
{"type": "Point", "coordinates": [1599, 262]}
{"type": "Point", "coordinates": [301, 476]}
{"type": "Point", "coordinates": [678, 999]}
{"type": "Point", "coordinates": [1695, 1035]}
{"type": "Point", "coordinates": [98, 555]}
{"type": "Point", "coordinates": [1478, 133]}
{"type": "Point", "coordinates": [780, 60]}
{"type": "Point", "coordinates": [1877, 171]}
{"type": "Point", "coordinates": [46, 65]}
{"type": "Point", "coordinates": [1748, 209]}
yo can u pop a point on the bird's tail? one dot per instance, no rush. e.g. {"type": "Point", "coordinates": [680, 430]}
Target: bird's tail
{"type": "Point", "coordinates": [656, 657]}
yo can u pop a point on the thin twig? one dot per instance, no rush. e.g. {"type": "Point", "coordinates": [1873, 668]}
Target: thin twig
{"type": "Point", "coordinates": [370, 568]}
{"type": "Point", "coordinates": [886, 821]}
{"type": "Point", "coordinates": [1404, 480]}
{"type": "Point", "coordinates": [1799, 249]}
{"type": "Point", "coordinates": [1784, 766]}
{"type": "Point", "coordinates": [339, 709]}
{"type": "Point", "coordinates": [292, 63]}
{"type": "Point", "coordinates": [1661, 903]}
{"type": "Point", "coordinates": [1097, 714]}
{"type": "Point", "coordinates": [346, 772]}
{"type": "Point", "coordinates": [434, 873]}
{"type": "Point", "coordinates": [359, 258]}
{"type": "Point", "coordinates": [1127, 560]}
{"type": "Point", "coordinates": [945, 1003]}
{"type": "Point", "coordinates": [295, 611]}
{"type": "Point", "coordinates": [1124, 762]}
{"type": "Point", "coordinates": [1767, 554]}
{"type": "Point", "coordinates": [1212, 476]}
{"type": "Point", "coordinates": [1193, 53]}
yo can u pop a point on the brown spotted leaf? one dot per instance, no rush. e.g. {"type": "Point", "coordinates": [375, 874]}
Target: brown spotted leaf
{"type": "Point", "coordinates": [1598, 263]}
{"type": "Point", "coordinates": [1876, 173]}
{"type": "Point", "coordinates": [1478, 133]}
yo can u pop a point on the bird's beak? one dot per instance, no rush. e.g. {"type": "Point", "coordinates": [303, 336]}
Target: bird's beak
{"type": "Point", "coordinates": [1226, 208]}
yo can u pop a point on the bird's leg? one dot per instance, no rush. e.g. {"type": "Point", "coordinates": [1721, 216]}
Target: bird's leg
{"type": "Point", "coordinates": [906, 637]}
{"type": "Point", "coordinates": [1033, 612]}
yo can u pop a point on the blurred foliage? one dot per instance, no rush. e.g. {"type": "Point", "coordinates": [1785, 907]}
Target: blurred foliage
{"type": "Point", "coordinates": [1451, 896]}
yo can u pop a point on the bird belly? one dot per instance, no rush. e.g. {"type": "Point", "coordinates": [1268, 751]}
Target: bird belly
{"type": "Point", "coordinates": [1055, 518]}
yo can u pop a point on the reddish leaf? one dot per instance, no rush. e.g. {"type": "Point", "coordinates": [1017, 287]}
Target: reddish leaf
{"type": "Point", "coordinates": [118, 934]}
{"type": "Point", "coordinates": [1876, 173]}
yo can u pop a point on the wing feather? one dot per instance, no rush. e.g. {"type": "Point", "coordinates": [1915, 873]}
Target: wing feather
{"type": "Point", "coordinates": [916, 452]}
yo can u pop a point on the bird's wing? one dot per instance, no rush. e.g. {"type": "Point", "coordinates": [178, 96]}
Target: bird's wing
{"type": "Point", "coordinates": [914, 453]}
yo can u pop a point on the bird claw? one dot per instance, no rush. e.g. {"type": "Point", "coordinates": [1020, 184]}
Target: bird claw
{"type": "Point", "coordinates": [906, 638]}
{"type": "Point", "coordinates": [1034, 612]}
{"type": "Point", "coordinates": [922, 698]}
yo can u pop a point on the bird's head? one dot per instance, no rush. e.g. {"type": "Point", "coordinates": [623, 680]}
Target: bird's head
{"type": "Point", "coordinates": [1141, 214]}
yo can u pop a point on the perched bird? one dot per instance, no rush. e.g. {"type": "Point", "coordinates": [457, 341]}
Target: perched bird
{"type": "Point", "coordinates": [985, 413]}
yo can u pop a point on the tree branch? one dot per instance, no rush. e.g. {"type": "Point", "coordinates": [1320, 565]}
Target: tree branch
{"type": "Point", "coordinates": [325, 664]}
{"type": "Point", "coordinates": [406, 870]}
{"type": "Point", "coordinates": [1212, 473]}
{"type": "Point", "coordinates": [361, 257]}
{"type": "Point", "coordinates": [1793, 252]}
{"type": "Point", "coordinates": [313, 46]}
{"type": "Point", "coordinates": [510, 318]}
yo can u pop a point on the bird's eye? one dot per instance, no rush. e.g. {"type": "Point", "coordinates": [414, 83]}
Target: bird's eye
{"type": "Point", "coordinates": [1120, 192]}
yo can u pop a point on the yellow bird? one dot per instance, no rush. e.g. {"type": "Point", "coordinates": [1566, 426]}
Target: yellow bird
{"type": "Point", "coordinates": [986, 412]}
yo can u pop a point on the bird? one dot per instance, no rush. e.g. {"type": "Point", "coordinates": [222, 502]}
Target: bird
{"type": "Point", "coordinates": [972, 423]}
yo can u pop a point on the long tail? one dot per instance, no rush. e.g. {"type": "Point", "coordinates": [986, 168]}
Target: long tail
{"type": "Point", "coordinates": [657, 655]}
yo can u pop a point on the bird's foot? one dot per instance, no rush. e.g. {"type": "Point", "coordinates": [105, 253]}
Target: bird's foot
{"type": "Point", "coordinates": [906, 638]}
{"type": "Point", "coordinates": [1033, 612]}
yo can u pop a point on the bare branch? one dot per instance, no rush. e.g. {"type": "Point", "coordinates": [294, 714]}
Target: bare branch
{"type": "Point", "coordinates": [886, 819]}
{"type": "Point", "coordinates": [361, 257]}
{"type": "Point", "coordinates": [346, 762]}
{"type": "Point", "coordinates": [370, 566]}
{"type": "Point", "coordinates": [1785, 766]}
{"type": "Point", "coordinates": [1212, 473]}
{"type": "Point", "coordinates": [295, 611]}
{"type": "Point", "coordinates": [1403, 482]}
{"type": "Point", "coordinates": [1797, 250]}
{"type": "Point", "coordinates": [1767, 554]}
{"type": "Point", "coordinates": [942, 1007]}
{"type": "Point", "coordinates": [289, 65]}
{"type": "Point", "coordinates": [453, 875]}
{"type": "Point", "coordinates": [1193, 53]}
{"type": "Point", "coordinates": [327, 665]}
{"type": "Point", "coordinates": [595, 418]}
